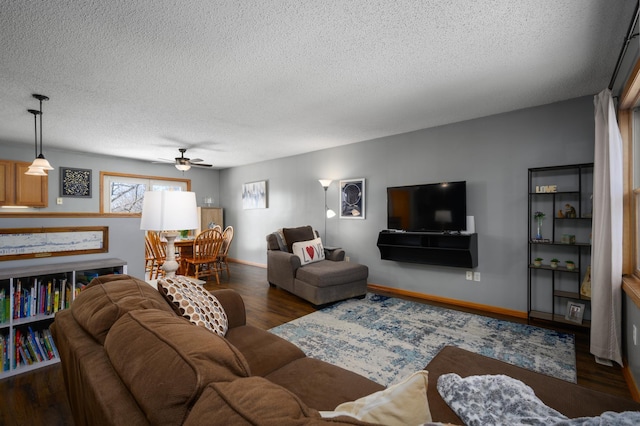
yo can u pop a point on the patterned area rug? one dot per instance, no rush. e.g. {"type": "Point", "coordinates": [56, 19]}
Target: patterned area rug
{"type": "Point", "coordinates": [387, 339]}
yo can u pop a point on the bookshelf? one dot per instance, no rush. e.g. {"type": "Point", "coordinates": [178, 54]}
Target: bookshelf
{"type": "Point", "coordinates": [30, 296]}
{"type": "Point", "coordinates": [564, 234]}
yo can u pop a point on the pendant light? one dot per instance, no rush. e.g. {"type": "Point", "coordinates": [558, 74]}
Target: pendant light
{"type": "Point", "coordinates": [34, 170]}
{"type": "Point", "coordinates": [40, 164]}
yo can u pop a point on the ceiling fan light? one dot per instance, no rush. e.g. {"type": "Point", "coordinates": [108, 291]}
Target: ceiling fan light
{"type": "Point", "coordinates": [183, 167]}
{"type": "Point", "coordinates": [41, 163]}
{"type": "Point", "coordinates": [35, 171]}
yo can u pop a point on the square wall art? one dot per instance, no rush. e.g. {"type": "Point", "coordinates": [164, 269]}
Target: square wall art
{"type": "Point", "coordinates": [75, 182]}
{"type": "Point", "coordinates": [254, 195]}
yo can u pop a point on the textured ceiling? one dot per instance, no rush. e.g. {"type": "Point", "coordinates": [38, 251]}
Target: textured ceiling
{"type": "Point", "coordinates": [239, 82]}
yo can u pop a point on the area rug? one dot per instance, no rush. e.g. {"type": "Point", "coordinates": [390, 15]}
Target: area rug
{"type": "Point", "coordinates": [386, 339]}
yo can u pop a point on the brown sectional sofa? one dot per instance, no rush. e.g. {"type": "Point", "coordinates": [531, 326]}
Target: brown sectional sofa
{"type": "Point", "coordinates": [128, 358]}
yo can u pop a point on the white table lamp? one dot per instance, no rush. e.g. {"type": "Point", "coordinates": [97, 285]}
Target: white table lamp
{"type": "Point", "coordinates": [169, 212]}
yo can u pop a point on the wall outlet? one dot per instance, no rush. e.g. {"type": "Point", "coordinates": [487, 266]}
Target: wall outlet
{"type": "Point", "coordinates": [347, 259]}
{"type": "Point", "coordinates": [59, 200]}
{"type": "Point", "coordinates": [635, 335]}
{"type": "Point", "coordinates": [469, 275]}
{"type": "Point", "coordinates": [476, 276]}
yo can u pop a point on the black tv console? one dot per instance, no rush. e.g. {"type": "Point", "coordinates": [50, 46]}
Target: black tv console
{"type": "Point", "coordinates": [458, 250]}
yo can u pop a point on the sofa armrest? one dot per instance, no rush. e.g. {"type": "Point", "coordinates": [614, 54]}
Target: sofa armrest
{"type": "Point", "coordinates": [337, 255]}
{"type": "Point", "coordinates": [281, 268]}
{"type": "Point", "coordinates": [233, 306]}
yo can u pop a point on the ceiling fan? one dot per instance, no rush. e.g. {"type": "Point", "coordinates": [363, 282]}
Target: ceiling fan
{"type": "Point", "coordinates": [183, 163]}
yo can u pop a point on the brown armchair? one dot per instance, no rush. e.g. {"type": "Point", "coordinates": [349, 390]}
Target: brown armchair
{"type": "Point", "coordinates": [321, 282]}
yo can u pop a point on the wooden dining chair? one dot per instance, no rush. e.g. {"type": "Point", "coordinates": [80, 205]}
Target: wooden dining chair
{"type": "Point", "coordinates": [149, 259]}
{"type": "Point", "coordinates": [204, 260]}
{"type": "Point", "coordinates": [227, 236]}
{"type": "Point", "coordinates": [159, 254]}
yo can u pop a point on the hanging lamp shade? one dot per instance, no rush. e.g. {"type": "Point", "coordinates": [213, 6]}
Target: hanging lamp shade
{"type": "Point", "coordinates": [41, 163]}
{"type": "Point", "coordinates": [35, 171]}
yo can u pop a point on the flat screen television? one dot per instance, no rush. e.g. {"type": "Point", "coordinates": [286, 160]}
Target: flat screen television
{"type": "Point", "coordinates": [435, 207]}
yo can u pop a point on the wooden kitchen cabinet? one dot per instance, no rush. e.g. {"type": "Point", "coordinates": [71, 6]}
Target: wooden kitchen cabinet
{"type": "Point", "coordinates": [18, 189]}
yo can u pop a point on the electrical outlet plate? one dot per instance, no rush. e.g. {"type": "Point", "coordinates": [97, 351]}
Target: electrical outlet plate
{"type": "Point", "coordinates": [469, 275]}
{"type": "Point", "coordinates": [476, 276]}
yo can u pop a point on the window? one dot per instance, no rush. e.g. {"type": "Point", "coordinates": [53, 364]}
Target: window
{"type": "Point", "coordinates": [629, 121]}
{"type": "Point", "coordinates": [123, 193]}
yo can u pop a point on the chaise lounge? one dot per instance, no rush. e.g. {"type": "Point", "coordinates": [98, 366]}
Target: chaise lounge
{"type": "Point", "coordinates": [298, 263]}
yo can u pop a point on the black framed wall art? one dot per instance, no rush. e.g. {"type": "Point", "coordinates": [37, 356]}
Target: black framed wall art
{"type": "Point", "coordinates": [75, 182]}
{"type": "Point", "coordinates": [352, 199]}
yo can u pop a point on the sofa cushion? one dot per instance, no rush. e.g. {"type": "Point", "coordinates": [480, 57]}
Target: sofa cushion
{"type": "Point", "coordinates": [281, 240]}
{"type": "Point", "coordinates": [252, 400]}
{"type": "Point", "coordinates": [328, 273]}
{"type": "Point", "coordinates": [194, 303]}
{"type": "Point", "coordinates": [293, 235]}
{"type": "Point", "coordinates": [264, 351]}
{"type": "Point", "coordinates": [321, 385]}
{"type": "Point", "coordinates": [170, 362]}
{"type": "Point", "coordinates": [309, 251]}
{"type": "Point", "coordinates": [107, 298]}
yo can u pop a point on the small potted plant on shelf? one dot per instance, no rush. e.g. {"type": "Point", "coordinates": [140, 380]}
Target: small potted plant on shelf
{"type": "Point", "coordinates": [537, 262]}
{"type": "Point", "coordinates": [554, 263]}
{"type": "Point", "coordinates": [570, 265]}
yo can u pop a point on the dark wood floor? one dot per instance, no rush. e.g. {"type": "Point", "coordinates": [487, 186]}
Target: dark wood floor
{"type": "Point", "coordinates": [39, 398]}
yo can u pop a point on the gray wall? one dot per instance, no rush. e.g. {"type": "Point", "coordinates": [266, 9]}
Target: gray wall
{"type": "Point", "coordinates": [492, 154]}
{"type": "Point", "coordinates": [126, 240]}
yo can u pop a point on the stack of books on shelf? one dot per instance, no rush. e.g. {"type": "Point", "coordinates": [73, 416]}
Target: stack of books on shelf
{"type": "Point", "coordinates": [5, 308]}
{"type": "Point", "coordinates": [4, 344]}
{"type": "Point", "coordinates": [33, 346]}
{"type": "Point", "coordinates": [40, 298]}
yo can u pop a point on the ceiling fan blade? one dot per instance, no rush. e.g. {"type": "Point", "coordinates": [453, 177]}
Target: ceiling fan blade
{"type": "Point", "coordinates": [197, 160]}
{"type": "Point", "coordinates": [204, 166]}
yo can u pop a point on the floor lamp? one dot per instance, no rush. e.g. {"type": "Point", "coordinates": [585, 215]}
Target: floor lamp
{"type": "Point", "coordinates": [328, 212]}
{"type": "Point", "coordinates": [169, 212]}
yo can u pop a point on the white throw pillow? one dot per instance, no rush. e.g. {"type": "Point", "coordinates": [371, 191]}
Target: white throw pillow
{"type": "Point", "coordinates": [403, 404]}
{"type": "Point", "coordinates": [309, 251]}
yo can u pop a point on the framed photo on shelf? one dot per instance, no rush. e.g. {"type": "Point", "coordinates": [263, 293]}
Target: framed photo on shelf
{"type": "Point", "coordinates": [575, 312]}
{"type": "Point", "coordinates": [352, 199]}
{"type": "Point", "coordinates": [75, 182]}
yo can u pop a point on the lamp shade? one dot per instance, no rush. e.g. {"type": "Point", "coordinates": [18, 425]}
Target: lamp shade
{"type": "Point", "coordinates": [325, 182]}
{"type": "Point", "coordinates": [169, 210]}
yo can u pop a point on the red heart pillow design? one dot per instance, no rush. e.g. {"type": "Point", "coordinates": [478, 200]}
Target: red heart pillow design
{"type": "Point", "coordinates": [310, 251]}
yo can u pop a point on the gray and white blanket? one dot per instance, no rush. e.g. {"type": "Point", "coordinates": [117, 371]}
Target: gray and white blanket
{"type": "Point", "coordinates": [502, 400]}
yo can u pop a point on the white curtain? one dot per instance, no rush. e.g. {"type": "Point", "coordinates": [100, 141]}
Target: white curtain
{"type": "Point", "coordinates": [606, 253]}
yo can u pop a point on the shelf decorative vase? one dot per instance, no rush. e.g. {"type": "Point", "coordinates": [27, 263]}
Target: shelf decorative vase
{"type": "Point", "coordinates": [539, 217]}
{"type": "Point", "coordinates": [539, 228]}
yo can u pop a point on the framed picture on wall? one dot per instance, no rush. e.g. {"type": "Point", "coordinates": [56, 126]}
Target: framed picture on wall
{"type": "Point", "coordinates": [352, 199]}
{"type": "Point", "coordinates": [254, 195]}
{"type": "Point", "coordinates": [75, 182]}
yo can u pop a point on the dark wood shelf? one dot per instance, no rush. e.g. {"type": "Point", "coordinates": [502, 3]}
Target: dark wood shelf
{"type": "Point", "coordinates": [570, 295]}
{"type": "Point", "coordinates": [457, 250]}
{"type": "Point", "coordinates": [547, 316]}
